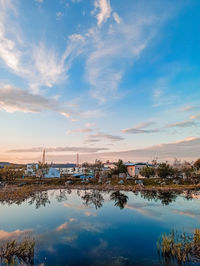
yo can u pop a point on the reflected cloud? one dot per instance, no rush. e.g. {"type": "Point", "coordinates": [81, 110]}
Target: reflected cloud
{"type": "Point", "coordinates": [88, 214]}
{"type": "Point", "coordinates": [62, 227]}
{"type": "Point", "coordinates": [4, 235]}
{"type": "Point", "coordinates": [65, 225]}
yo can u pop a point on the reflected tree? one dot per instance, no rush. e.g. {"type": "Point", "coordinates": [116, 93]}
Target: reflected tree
{"type": "Point", "coordinates": [62, 195]}
{"type": "Point", "coordinates": [189, 195]}
{"type": "Point", "coordinates": [149, 195]}
{"type": "Point", "coordinates": [40, 198]}
{"type": "Point", "coordinates": [93, 198]}
{"type": "Point", "coordinates": [119, 198]}
{"type": "Point", "coordinates": [167, 197]}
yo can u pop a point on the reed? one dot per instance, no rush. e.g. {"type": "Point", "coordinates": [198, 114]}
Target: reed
{"type": "Point", "coordinates": [177, 249]}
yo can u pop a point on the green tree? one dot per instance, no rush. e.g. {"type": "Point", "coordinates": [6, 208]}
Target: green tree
{"type": "Point", "coordinates": [197, 164]}
{"type": "Point", "coordinates": [147, 171]}
{"type": "Point", "coordinates": [164, 170]}
{"type": "Point", "coordinates": [42, 170]}
{"type": "Point", "coordinates": [86, 168]}
{"type": "Point", "coordinates": [188, 170]}
{"type": "Point", "coordinates": [11, 172]}
{"type": "Point", "coordinates": [98, 165]}
{"type": "Point", "coordinates": [120, 168]}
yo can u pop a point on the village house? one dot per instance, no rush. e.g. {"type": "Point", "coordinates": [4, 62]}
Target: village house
{"type": "Point", "coordinates": [110, 165]}
{"type": "Point", "coordinates": [65, 169]}
{"type": "Point", "coordinates": [133, 169]}
{"type": "Point", "coordinates": [32, 170]}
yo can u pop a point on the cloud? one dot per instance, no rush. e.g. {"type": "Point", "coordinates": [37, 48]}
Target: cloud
{"type": "Point", "coordinates": [35, 62]}
{"type": "Point", "coordinates": [197, 116]}
{"type": "Point", "coordinates": [189, 108]}
{"type": "Point", "coordinates": [60, 149]}
{"type": "Point", "coordinates": [9, 54]}
{"type": "Point", "coordinates": [59, 15]}
{"type": "Point", "coordinates": [49, 67]}
{"type": "Point", "coordinates": [14, 99]}
{"type": "Point", "coordinates": [141, 129]}
{"type": "Point", "coordinates": [186, 149]}
{"type": "Point", "coordinates": [89, 127]}
{"type": "Point", "coordinates": [102, 136]}
{"type": "Point", "coordinates": [17, 100]}
{"type": "Point", "coordinates": [80, 130]}
{"type": "Point", "coordinates": [182, 124]}
{"type": "Point", "coordinates": [104, 10]}
{"type": "Point", "coordinates": [160, 96]}
{"type": "Point", "coordinates": [108, 56]}
{"type": "Point", "coordinates": [116, 17]}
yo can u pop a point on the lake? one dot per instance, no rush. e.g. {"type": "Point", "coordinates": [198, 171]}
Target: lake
{"type": "Point", "coordinates": [73, 227]}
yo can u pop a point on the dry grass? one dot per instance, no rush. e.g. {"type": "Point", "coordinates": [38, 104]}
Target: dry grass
{"type": "Point", "coordinates": [16, 253]}
{"type": "Point", "coordinates": [177, 249]}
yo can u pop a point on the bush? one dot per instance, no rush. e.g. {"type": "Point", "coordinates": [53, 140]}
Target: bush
{"type": "Point", "coordinates": [197, 164]}
{"type": "Point", "coordinates": [164, 170]}
{"type": "Point", "coordinates": [147, 171]}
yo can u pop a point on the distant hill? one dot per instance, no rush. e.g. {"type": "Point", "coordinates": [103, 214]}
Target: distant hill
{"type": "Point", "coordinates": [4, 163]}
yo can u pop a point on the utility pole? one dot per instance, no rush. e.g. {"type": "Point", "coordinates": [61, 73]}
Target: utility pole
{"type": "Point", "coordinates": [43, 157]}
{"type": "Point", "coordinates": [77, 160]}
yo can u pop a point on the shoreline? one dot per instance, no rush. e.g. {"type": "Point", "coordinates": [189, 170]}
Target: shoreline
{"type": "Point", "coordinates": [15, 193]}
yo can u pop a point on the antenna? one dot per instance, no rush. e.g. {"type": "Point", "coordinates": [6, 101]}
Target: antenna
{"type": "Point", "coordinates": [43, 157]}
{"type": "Point", "coordinates": [77, 160]}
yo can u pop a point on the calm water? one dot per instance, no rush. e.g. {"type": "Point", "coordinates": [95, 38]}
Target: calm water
{"type": "Point", "coordinates": [92, 228]}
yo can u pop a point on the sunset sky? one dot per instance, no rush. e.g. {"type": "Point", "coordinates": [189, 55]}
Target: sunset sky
{"type": "Point", "coordinates": [108, 79]}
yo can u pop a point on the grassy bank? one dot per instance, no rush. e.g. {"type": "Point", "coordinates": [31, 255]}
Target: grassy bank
{"type": "Point", "coordinates": [16, 192]}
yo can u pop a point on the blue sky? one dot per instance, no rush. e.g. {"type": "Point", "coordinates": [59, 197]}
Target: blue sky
{"type": "Point", "coordinates": [107, 79]}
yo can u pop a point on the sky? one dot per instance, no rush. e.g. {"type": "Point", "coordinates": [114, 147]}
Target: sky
{"type": "Point", "coordinates": [108, 79]}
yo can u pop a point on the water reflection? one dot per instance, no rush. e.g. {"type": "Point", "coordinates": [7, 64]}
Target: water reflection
{"type": "Point", "coordinates": [62, 195]}
{"type": "Point", "coordinates": [166, 197]}
{"type": "Point", "coordinates": [82, 227]}
{"type": "Point", "coordinates": [93, 198]}
{"type": "Point", "coordinates": [39, 198]}
{"type": "Point", "coordinates": [119, 198]}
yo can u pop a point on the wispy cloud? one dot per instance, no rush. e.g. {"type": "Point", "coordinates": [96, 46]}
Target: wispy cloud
{"type": "Point", "coordinates": [186, 149]}
{"type": "Point", "coordinates": [89, 127]}
{"type": "Point", "coordinates": [104, 10]}
{"type": "Point", "coordinates": [182, 124]}
{"type": "Point", "coordinates": [36, 63]}
{"type": "Point", "coordinates": [109, 56]}
{"type": "Point", "coordinates": [102, 136]}
{"type": "Point", "coordinates": [189, 108]}
{"type": "Point", "coordinates": [161, 96]}
{"type": "Point", "coordinates": [141, 128]}
{"type": "Point", "coordinates": [60, 149]}
{"type": "Point", "coordinates": [197, 116]}
{"type": "Point", "coordinates": [17, 100]}
{"type": "Point", "coordinates": [59, 15]}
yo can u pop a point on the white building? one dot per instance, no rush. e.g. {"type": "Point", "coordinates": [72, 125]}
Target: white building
{"type": "Point", "coordinates": [65, 169]}
{"type": "Point", "coordinates": [31, 169]}
{"type": "Point", "coordinates": [110, 165]}
{"type": "Point", "coordinates": [52, 173]}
